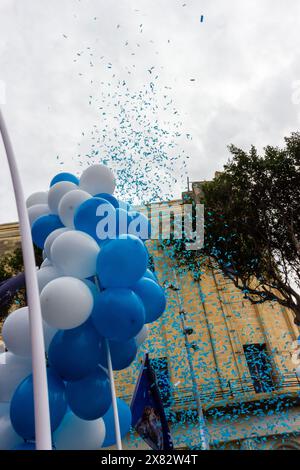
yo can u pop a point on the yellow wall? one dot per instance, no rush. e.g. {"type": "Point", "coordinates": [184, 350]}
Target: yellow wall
{"type": "Point", "coordinates": [9, 237]}
{"type": "Point", "coordinates": [223, 321]}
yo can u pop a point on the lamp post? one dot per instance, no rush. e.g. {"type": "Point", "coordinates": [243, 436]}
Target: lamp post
{"type": "Point", "coordinates": [203, 431]}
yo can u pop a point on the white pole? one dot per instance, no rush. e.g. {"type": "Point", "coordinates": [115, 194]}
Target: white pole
{"type": "Point", "coordinates": [112, 388]}
{"type": "Point", "coordinates": [40, 389]}
{"type": "Point", "coordinates": [113, 397]}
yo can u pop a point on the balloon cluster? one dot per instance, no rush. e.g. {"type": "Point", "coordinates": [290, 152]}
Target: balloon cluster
{"type": "Point", "coordinates": [95, 290]}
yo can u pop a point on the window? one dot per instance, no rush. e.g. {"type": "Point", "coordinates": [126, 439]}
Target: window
{"type": "Point", "coordinates": [160, 368]}
{"type": "Point", "coordinates": [260, 368]}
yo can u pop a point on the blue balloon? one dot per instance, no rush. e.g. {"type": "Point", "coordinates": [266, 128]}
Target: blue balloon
{"type": "Point", "coordinates": [139, 225]}
{"type": "Point", "coordinates": [86, 218]}
{"type": "Point", "coordinates": [75, 353]}
{"type": "Point", "coordinates": [150, 275]}
{"type": "Point", "coordinates": [122, 353]}
{"type": "Point", "coordinates": [153, 298]}
{"type": "Point", "coordinates": [125, 422]}
{"type": "Point", "coordinates": [25, 446]}
{"type": "Point", "coordinates": [64, 177]}
{"type": "Point", "coordinates": [114, 201]}
{"type": "Point", "coordinates": [110, 198]}
{"type": "Point", "coordinates": [90, 398]}
{"type": "Point", "coordinates": [122, 262]}
{"type": "Point", "coordinates": [122, 221]}
{"type": "Point", "coordinates": [118, 314]}
{"type": "Point", "coordinates": [22, 407]}
{"type": "Point", "coordinates": [124, 205]}
{"type": "Point", "coordinates": [43, 226]}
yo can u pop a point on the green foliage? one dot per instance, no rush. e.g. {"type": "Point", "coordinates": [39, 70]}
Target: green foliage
{"type": "Point", "coordinates": [252, 225]}
{"type": "Point", "coordinates": [252, 222]}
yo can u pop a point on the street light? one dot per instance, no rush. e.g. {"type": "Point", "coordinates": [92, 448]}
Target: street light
{"type": "Point", "coordinates": [187, 331]}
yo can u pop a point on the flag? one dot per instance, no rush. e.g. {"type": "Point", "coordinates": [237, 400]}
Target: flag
{"type": "Point", "coordinates": [9, 287]}
{"type": "Point", "coordinates": [148, 415]}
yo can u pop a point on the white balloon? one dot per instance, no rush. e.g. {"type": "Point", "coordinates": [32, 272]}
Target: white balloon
{"type": "Point", "coordinates": [8, 436]}
{"type": "Point", "coordinates": [34, 212]}
{"type": "Point", "coordinates": [47, 274]}
{"type": "Point", "coordinates": [68, 205]}
{"type": "Point", "coordinates": [13, 369]}
{"type": "Point", "coordinates": [97, 179]}
{"type": "Point", "coordinates": [142, 335]}
{"type": "Point", "coordinates": [74, 253]}
{"type": "Point", "coordinates": [41, 197]}
{"type": "Point", "coordinates": [66, 303]}
{"type": "Point", "coordinates": [46, 263]}
{"type": "Point", "coordinates": [75, 433]}
{"type": "Point", "coordinates": [56, 192]}
{"type": "Point", "coordinates": [16, 332]}
{"type": "Point", "coordinates": [50, 239]}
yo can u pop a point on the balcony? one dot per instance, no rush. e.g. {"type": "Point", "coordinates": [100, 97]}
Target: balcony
{"type": "Point", "coordinates": [235, 391]}
{"type": "Point", "coordinates": [232, 392]}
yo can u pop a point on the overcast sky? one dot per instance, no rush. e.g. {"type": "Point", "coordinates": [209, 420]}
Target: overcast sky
{"type": "Point", "coordinates": [228, 79]}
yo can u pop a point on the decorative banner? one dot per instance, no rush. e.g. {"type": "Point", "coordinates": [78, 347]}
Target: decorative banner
{"type": "Point", "coordinates": [10, 287]}
{"type": "Point", "coordinates": [148, 415]}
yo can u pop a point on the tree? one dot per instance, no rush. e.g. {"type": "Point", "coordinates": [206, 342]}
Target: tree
{"type": "Point", "coordinates": [252, 222]}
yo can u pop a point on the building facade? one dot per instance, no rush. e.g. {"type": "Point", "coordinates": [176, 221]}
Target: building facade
{"type": "Point", "coordinates": [9, 238]}
{"type": "Point", "coordinates": [240, 354]}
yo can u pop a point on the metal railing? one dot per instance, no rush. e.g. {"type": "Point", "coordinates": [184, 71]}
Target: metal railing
{"type": "Point", "coordinates": [239, 390]}
{"type": "Point", "coordinates": [229, 391]}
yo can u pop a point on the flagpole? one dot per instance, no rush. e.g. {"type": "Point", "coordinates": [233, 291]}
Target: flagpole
{"type": "Point", "coordinates": [113, 397]}
{"type": "Point", "coordinates": [112, 387]}
{"type": "Point", "coordinates": [40, 388]}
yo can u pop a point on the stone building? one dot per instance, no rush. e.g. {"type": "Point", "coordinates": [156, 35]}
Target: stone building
{"type": "Point", "coordinates": [9, 237]}
{"type": "Point", "coordinates": [248, 403]}
{"type": "Point", "coordinates": [241, 356]}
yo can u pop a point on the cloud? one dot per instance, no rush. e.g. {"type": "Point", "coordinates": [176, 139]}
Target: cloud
{"type": "Point", "coordinates": [230, 78]}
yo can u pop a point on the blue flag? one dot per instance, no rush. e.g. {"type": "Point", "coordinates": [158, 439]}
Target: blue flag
{"type": "Point", "coordinates": [9, 287]}
{"type": "Point", "coordinates": [148, 415]}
